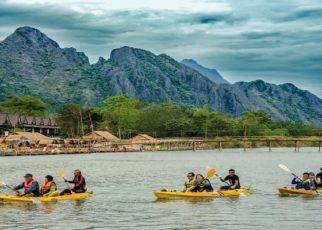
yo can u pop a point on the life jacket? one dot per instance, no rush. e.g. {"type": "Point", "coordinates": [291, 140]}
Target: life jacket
{"type": "Point", "coordinates": [27, 184]}
{"type": "Point", "coordinates": [189, 183]}
{"type": "Point", "coordinates": [205, 185]}
{"type": "Point", "coordinates": [305, 184]}
{"type": "Point", "coordinates": [45, 188]}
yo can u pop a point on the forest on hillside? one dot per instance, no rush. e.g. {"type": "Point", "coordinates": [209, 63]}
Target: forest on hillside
{"type": "Point", "coordinates": [126, 117]}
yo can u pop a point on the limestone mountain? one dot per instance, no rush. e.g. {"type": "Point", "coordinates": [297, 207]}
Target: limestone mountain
{"type": "Point", "coordinates": [33, 64]}
{"type": "Point", "coordinates": [212, 74]}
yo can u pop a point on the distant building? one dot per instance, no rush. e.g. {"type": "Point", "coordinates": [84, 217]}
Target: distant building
{"type": "Point", "coordinates": [143, 138]}
{"type": "Point", "coordinates": [27, 139]}
{"type": "Point", "coordinates": [10, 122]}
{"type": "Point", "coordinates": [100, 136]}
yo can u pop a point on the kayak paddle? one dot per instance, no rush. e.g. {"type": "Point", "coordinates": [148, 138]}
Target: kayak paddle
{"type": "Point", "coordinates": [222, 179]}
{"type": "Point", "coordinates": [286, 169]}
{"type": "Point", "coordinates": [210, 172]}
{"type": "Point", "coordinates": [61, 174]}
{"type": "Point", "coordinates": [7, 186]}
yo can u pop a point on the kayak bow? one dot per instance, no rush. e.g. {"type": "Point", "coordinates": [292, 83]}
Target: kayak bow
{"type": "Point", "coordinates": [289, 190]}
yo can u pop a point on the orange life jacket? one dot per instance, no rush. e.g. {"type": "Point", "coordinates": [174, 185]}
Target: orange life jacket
{"type": "Point", "coordinates": [27, 184]}
{"type": "Point", "coordinates": [45, 187]}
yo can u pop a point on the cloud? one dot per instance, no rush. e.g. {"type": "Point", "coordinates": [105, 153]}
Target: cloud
{"type": "Point", "coordinates": [254, 38]}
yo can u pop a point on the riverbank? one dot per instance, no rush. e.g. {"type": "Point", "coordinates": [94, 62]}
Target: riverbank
{"type": "Point", "coordinates": [178, 144]}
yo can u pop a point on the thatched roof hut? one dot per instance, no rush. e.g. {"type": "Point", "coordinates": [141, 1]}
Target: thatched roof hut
{"type": "Point", "coordinates": [33, 138]}
{"type": "Point", "coordinates": [143, 138]}
{"type": "Point", "coordinates": [101, 136]}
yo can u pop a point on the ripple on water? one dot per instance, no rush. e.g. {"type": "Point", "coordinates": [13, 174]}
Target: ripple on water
{"type": "Point", "coordinates": [123, 198]}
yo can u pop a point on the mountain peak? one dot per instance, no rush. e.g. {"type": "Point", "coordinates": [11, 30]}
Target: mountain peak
{"type": "Point", "coordinates": [123, 55]}
{"type": "Point", "coordinates": [128, 55]}
{"type": "Point", "coordinates": [212, 74]}
{"type": "Point", "coordinates": [188, 60]}
{"type": "Point", "coordinates": [27, 29]}
{"type": "Point", "coordinates": [29, 37]}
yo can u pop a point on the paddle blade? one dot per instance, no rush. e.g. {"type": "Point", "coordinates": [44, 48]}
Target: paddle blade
{"type": "Point", "coordinates": [211, 172]}
{"type": "Point", "coordinates": [2, 184]}
{"type": "Point", "coordinates": [61, 173]}
{"type": "Point", "coordinates": [283, 167]}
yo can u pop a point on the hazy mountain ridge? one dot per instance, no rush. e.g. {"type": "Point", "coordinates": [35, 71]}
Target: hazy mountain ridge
{"type": "Point", "coordinates": [32, 63]}
{"type": "Point", "coordinates": [212, 74]}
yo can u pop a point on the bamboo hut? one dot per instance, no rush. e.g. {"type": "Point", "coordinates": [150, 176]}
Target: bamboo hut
{"type": "Point", "coordinates": [100, 136]}
{"type": "Point", "coordinates": [27, 138]}
{"type": "Point", "coordinates": [143, 138]}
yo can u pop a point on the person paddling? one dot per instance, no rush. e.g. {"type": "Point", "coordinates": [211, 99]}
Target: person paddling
{"type": "Point", "coordinates": [201, 184]}
{"type": "Point", "coordinates": [304, 183]}
{"type": "Point", "coordinates": [232, 178]}
{"type": "Point", "coordinates": [79, 184]}
{"type": "Point", "coordinates": [49, 187]}
{"type": "Point", "coordinates": [319, 178]}
{"type": "Point", "coordinates": [189, 182]}
{"type": "Point", "coordinates": [313, 183]}
{"type": "Point", "coordinates": [30, 186]}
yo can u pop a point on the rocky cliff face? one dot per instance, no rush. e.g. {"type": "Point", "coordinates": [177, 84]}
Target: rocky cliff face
{"type": "Point", "coordinates": [212, 74]}
{"type": "Point", "coordinates": [32, 63]}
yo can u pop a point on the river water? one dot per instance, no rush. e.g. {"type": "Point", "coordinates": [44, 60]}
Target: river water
{"type": "Point", "coordinates": [123, 199]}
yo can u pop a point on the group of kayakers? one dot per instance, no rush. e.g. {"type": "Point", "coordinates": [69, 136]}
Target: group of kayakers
{"type": "Point", "coordinates": [308, 181]}
{"type": "Point", "coordinates": [31, 187]}
{"type": "Point", "coordinates": [199, 183]}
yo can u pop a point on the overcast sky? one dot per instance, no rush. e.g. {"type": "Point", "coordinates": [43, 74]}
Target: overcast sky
{"type": "Point", "coordinates": [277, 41]}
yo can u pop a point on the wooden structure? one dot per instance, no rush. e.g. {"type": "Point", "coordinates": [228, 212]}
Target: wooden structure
{"type": "Point", "coordinates": [46, 126]}
{"type": "Point", "coordinates": [102, 145]}
{"type": "Point", "coordinates": [22, 138]}
{"type": "Point", "coordinates": [100, 136]}
{"type": "Point", "coordinates": [143, 138]}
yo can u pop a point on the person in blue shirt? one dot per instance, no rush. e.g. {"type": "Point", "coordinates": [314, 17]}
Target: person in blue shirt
{"type": "Point", "coordinates": [30, 186]}
{"type": "Point", "coordinates": [304, 183]}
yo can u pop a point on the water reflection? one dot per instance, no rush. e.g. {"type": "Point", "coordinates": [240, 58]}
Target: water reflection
{"type": "Point", "coordinates": [191, 200]}
{"type": "Point", "coordinates": [45, 207]}
{"type": "Point", "coordinates": [123, 187]}
{"type": "Point", "coordinates": [19, 206]}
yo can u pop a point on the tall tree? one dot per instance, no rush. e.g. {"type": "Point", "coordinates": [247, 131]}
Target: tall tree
{"type": "Point", "coordinates": [121, 113]}
{"type": "Point", "coordinates": [201, 120]}
{"type": "Point", "coordinates": [75, 120]}
{"type": "Point", "coordinates": [221, 124]}
{"type": "Point", "coordinates": [165, 120]}
{"type": "Point", "coordinates": [24, 105]}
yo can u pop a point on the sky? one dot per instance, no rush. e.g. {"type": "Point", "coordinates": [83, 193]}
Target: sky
{"type": "Point", "coordinates": [278, 41]}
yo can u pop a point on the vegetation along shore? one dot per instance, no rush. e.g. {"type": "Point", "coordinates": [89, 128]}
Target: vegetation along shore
{"type": "Point", "coordinates": [127, 124]}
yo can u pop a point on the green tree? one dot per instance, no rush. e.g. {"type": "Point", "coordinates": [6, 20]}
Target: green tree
{"type": "Point", "coordinates": [24, 105]}
{"type": "Point", "coordinates": [165, 120]}
{"type": "Point", "coordinates": [255, 123]}
{"type": "Point", "coordinates": [121, 113]}
{"type": "Point", "coordinates": [201, 120]}
{"type": "Point", "coordinates": [221, 124]}
{"type": "Point", "coordinates": [75, 120]}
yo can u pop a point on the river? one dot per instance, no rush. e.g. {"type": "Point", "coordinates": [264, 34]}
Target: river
{"type": "Point", "coordinates": [123, 199]}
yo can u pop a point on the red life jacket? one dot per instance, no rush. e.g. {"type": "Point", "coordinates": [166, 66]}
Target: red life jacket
{"type": "Point", "coordinates": [45, 187]}
{"type": "Point", "coordinates": [27, 184]}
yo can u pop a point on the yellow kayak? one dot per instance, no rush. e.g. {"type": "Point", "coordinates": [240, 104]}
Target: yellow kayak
{"type": "Point", "coordinates": [168, 194]}
{"type": "Point", "coordinates": [74, 196]}
{"type": "Point", "coordinates": [289, 190]}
